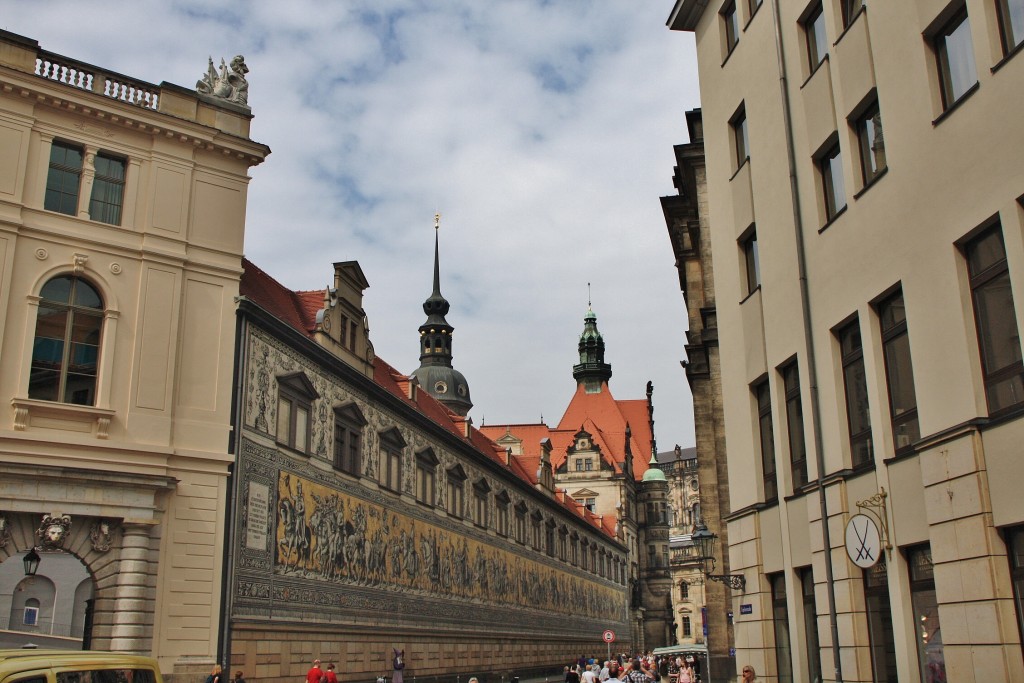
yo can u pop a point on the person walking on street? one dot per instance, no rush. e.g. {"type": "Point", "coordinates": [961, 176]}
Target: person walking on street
{"type": "Point", "coordinates": [749, 676]}
{"type": "Point", "coordinates": [315, 673]}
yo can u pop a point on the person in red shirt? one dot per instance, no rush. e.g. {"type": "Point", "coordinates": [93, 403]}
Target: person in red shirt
{"type": "Point", "coordinates": [329, 675]}
{"type": "Point", "coordinates": [314, 675]}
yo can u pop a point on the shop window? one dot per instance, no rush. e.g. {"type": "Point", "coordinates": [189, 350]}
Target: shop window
{"type": "Point", "coordinates": [879, 615]}
{"type": "Point", "coordinates": [780, 623]}
{"type": "Point", "coordinates": [928, 634]}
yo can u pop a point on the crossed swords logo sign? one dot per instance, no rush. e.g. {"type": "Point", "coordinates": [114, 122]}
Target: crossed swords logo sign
{"type": "Point", "coordinates": [863, 543]}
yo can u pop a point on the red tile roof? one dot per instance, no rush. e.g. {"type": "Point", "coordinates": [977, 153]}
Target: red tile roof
{"type": "Point", "coordinates": [299, 309]}
{"type": "Point", "coordinates": [603, 417]}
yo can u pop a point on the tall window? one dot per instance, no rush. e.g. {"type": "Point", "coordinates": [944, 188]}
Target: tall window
{"type": "Point", "coordinates": [426, 469]}
{"type": "Point", "coordinates": [752, 6]}
{"type": "Point", "coordinates": [730, 26]}
{"type": "Point", "coordinates": [535, 531]}
{"type": "Point", "coordinates": [684, 591]}
{"type": "Point", "coordinates": [954, 52]}
{"type": "Point", "coordinates": [858, 418]}
{"type": "Point", "coordinates": [795, 425]}
{"type": "Point", "coordinates": [549, 538]}
{"type": "Point", "coordinates": [456, 491]}
{"type": "Point", "coordinates": [899, 372]}
{"type": "Point", "coordinates": [348, 432]}
{"type": "Point", "coordinates": [63, 178]}
{"type": "Point", "coordinates": [879, 614]}
{"type": "Point", "coordinates": [780, 621]}
{"type": "Point", "coordinates": [107, 189]}
{"type": "Point", "coordinates": [751, 261]}
{"type": "Point", "coordinates": [480, 495]}
{"type": "Point", "coordinates": [871, 143]}
{"type": "Point", "coordinates": [66, 347]}
{"type": "Point", "coordinates": [926, 614]}
{"type": "Point", "coordinates": [293, 420]}
{"type": "Point", "coordinates": [996, 320]}
{"type": "Point", "coordinates": [740, 138]}
{"type": "Point", "coordinates": [767, 435]}
{"type": "Point", "coordinates": [687, 628]}
{"type": "Point", "coordinates": [521, 523]}
{"type": "Point", "coordinates": [501, 502]}
{"type": "Point", "coordinates": [814, 32]}
{"type": "Point", "coordinates": [391, 445]}
{"type": "Point", "coordinates": [1015, 551]}
{"type": "Point", "coordinates": [830, 167]}
{"type": "Point", "coordinates": [811, 625]}
{"type": "Point", "coordinates": [1011, 23]}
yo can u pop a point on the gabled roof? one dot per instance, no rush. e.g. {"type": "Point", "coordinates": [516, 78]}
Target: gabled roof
{"type": "Point", "coordinates": [298, 310]}
{"type": "Point", "coordinates": [599, 414]}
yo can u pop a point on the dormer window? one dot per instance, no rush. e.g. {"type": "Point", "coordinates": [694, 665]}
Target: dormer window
{"type": "Point", "coordinates": [295, 396]}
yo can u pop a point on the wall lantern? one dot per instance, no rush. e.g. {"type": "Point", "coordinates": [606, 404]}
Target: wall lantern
{"type": "Point", "coordinates": [704, 541]}
{"type": "Point", "coordinates": [31, 561]}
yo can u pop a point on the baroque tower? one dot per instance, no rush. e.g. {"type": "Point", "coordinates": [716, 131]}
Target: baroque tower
{"type": "Point", "coordinates": [435, 373]}
{"type": "Point", "coordinates": [591, 371]}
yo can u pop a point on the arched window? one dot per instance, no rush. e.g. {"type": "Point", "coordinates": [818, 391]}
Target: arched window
{"type": "Point", "coordinates": [66, 346]}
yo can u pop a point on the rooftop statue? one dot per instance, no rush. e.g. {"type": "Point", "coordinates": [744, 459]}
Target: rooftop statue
{"type": "Point", "coordinates": [229, 84]}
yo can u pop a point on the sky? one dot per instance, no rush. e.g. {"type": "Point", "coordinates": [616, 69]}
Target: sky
{"type": "Point", "coordinates": [541, 131]}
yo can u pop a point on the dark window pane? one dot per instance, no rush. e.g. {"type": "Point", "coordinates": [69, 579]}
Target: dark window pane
{"type": "Point", "coordinates": [997, 324]}
{"type": "Point", "coordinates": [63, 178]}
{"type": "Point", "coordinates": [1011, 23]}
{"type": "Point", "coordinates": [817, 41]}
{"type": "Point", "coordinates": [956, 59]}
{"type": "Point", "coordinates": [57, 290]}
{"type": "Point", "coordinates": [87, 296]}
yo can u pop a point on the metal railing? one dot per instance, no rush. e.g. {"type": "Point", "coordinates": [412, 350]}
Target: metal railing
{"type": "Point", "coordinates": [82, 76]}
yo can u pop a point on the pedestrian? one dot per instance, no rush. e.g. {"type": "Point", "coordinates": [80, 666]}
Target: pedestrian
{"type": "Point", "coordinates": [685, 674]}
{"type": "Point", "coordinates": [602, 675]}
{"type": "Point", "coordinates": [588, 675]}
{"type": "Point", "coordinates": [613, 671]}
{"type": "Point", "coordinates": [315, 673]}
{"type": "Point", "coordinates": [748, 674]}
{"type": "Point", "coordinates": [637, 673]}
{"type": "Point", "coordinates": [571, 676]}
{"type": "Point", "coordinates": [238, 677]}
{"type": "Point", "coordinates": [398, 666]}
{"type": "Point", "coordinates": [215, 675]}
{"type": "Point", "coordinates": [329, 675]}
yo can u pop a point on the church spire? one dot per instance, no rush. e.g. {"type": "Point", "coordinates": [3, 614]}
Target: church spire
{"type": "Point", "coordinates": [591, 371]}
{"type": "Point", "coordinates": [435, 373]}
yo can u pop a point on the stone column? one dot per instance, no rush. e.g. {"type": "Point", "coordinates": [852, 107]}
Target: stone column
{"type": "Point", "coordinates": [133, 601]}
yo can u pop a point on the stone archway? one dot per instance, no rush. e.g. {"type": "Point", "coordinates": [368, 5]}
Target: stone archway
{"type": "Point", "coordinates": [113, 559]}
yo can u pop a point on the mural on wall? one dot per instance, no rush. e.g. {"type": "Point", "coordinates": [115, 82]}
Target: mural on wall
{"type": "Point", "coordinates": [325, 534]}
{"type": "Point", "coordinates": [315, 545]}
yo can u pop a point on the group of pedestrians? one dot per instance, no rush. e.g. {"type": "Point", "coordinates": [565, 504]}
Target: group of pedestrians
{"type": "Point", "coordinates": [644, 668]}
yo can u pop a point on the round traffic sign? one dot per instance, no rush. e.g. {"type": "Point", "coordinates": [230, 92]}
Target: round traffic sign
{"type": "Point", "coordinates": [609, 636]}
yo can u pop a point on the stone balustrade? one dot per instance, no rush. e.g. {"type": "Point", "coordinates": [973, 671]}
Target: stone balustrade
{"type": "Point", "coordinates": [94, 79]}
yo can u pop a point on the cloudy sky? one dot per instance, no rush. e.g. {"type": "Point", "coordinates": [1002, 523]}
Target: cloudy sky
{"type": "Point", "coordinates": [541, 130]}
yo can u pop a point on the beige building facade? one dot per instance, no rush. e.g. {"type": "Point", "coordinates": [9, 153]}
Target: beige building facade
{"type": "Point", "coordinates": [865, 196]}
{"type": "Point", "coordinates": [122, 214]}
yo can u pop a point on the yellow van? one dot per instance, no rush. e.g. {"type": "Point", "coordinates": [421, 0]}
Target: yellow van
{"type": "Point", "coordinates": [76, 666]}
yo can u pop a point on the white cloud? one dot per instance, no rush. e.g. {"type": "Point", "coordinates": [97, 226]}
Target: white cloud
{"type": "Point", "coordinates": [542, 131]}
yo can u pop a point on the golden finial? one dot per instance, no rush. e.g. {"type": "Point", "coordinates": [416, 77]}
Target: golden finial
{"type": "Point", "coordinates": [437, 221]}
